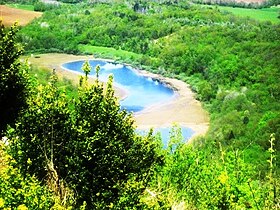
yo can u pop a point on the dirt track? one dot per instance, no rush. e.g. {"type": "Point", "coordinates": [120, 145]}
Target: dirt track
{"type": "Point", "coordinates": [11, 15]}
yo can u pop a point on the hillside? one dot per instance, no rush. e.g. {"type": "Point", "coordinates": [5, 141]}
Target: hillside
{"type": "Point", "coordinates": [232, 65]}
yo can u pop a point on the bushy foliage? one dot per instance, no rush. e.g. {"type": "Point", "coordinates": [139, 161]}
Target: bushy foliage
{"type": "Point", "coordinates": [44, 129]}
{"type": "Point", "coordinates": [18, 191]}
{"type": "Point", "coordinates": [13, 77]}
{"type": "Point", "coordinates": [108, 151]}
{"type": "Point", "coordinates": [93, 147]}
{"type": "Point", "coordinates": [196, 177]}
{"type": "Point", "coordinates": [122, 28]}
{"type": "Point", "coordinates": [42, 7]}
{"type": "Point", "coordinates": [23, 2]}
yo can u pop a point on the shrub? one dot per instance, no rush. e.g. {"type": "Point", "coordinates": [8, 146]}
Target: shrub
{"type": "Point", "coordinates": [13, 77]}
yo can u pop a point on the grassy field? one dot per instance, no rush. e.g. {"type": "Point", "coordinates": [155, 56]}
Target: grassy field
{"type": "Point", "coordinates": [265, 14]}
{"type": "Point", "coordinates": [107, 52]}
{"type": "Point", "coordinates": [43, 76]}
{"type": "Point", "coordinates": [21, 6]}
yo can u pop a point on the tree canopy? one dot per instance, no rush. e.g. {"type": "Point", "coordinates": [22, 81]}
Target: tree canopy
{"type": "Point", "coordinates": [13, 77]}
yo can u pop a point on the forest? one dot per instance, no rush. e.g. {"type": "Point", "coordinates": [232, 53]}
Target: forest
{"type": "Point", "coordinates": [76, 149]}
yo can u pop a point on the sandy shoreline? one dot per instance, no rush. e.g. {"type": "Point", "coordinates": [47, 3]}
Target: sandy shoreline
{"type": "Point", "coordinates": [184, 109]}
{"type": "Point", "coordinates": [56, 60]}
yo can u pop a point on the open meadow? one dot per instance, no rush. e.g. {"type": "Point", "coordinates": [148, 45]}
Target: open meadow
{"type": "Point", "coordinates": [264, 14]}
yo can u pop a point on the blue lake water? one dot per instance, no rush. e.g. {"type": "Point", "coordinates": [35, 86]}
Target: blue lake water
{"type": "Point", "coordinates": [141, 91]}
{"type": "Point", "coordinates": [165, 133]}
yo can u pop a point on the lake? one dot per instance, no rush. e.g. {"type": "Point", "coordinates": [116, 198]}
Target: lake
{"type": "Point", "coordinates": [142, 91]}
{"type": "Point", "coordinates": [166, 132]}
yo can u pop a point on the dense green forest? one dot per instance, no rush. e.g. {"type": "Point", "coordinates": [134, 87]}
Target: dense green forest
{"type": "Point", "coordinates": [80, 150]}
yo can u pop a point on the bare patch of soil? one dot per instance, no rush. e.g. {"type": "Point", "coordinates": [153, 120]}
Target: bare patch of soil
{"type": "Point", "coordinates": [10, 15]}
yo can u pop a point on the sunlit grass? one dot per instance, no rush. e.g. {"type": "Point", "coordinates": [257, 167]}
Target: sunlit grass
{"type": "Point", "coordinates": [264, 14]}
{"type": "Point", "coordinates": [43, 75]}
{"type": "Point", "coordinates": [21, 6]}
{"type": "Point", "coordinates": [108, 52]}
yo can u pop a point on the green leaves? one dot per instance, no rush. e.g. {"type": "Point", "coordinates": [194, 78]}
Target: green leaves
{"type": "Point", "coordinates": [91, 146]}
{"type": "Point", "coordinates": [18, 191]}
{"type": "Point", "coordinates": [13, 77]}
{"type": "Point", "coordinates": [86, 68]}
{"type": "Point", "coordinates": [107, 149]}
{"type": "Point", "coordinates": [199, 179]}
{"type": "Point", "coordinates": [44, 130]}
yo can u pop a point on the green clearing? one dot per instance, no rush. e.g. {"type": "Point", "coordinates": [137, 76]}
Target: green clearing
{"type": "Point", "coordinates": [43, 77]}
{"type": "Point", "coordinates": [109, 52]}
{"type": "Point", "coordinates": [22, 6]}
{"type": "Point", "coordinates": [265, 14]}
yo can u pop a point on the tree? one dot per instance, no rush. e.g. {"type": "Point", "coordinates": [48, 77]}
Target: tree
{"type": "Point", "coordinates": [107, 150]}
{"type": "Point", "coordinates": [86, 68]}
{"type": "Point", "coordinates": [91, 146]}
{"type": "Point", "coordinates": [44, 129]}
{"type": "Point", "coordinates": [41, 138]}
{"type": "Point", "coordinates": [13, 77]}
